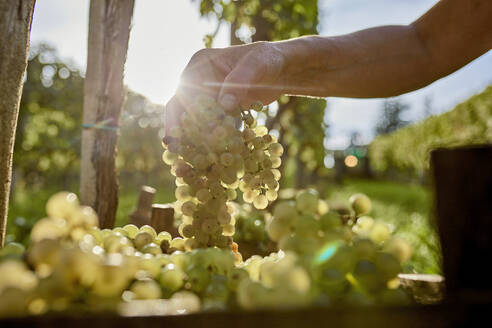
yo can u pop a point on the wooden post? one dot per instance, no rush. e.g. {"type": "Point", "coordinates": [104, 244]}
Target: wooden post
{"type": "Point", "coordinates": [463, 192]}
{"type": "Point", "coordinates": [142, 213]}
{"type": "Point", "coordinates": [15, 29]}
{"type": "Point", "coordinates": [109, 29]}
{"type": "Point", "coordinates": [163, 219]}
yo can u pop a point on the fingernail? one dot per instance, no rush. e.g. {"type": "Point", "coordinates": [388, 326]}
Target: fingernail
{"type": "Point", "coordinates": [228, 101]}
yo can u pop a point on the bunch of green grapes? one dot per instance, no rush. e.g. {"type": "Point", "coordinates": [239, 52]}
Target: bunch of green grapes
{"type": "Point", "coordinates": [353, 261]}
{"type": "Point", "coordinates": [212, 153]}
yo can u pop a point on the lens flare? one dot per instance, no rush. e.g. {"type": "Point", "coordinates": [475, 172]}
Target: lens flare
{"type": "Point", "coordinates": [327, 252]}
{"type": "Point", "coordinates": [351, 161]}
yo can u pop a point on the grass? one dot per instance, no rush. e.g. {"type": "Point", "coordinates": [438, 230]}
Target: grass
{"type": "Point", "coordinates": [405, 207]}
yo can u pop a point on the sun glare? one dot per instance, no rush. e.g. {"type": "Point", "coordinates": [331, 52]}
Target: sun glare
{"type": "Point", "coordinates": [351, 161]}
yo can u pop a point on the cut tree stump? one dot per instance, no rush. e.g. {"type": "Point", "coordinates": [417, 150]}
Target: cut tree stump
{"type": "Point", "coordinates": [163, 219]}
{"type": "Point", "coordinates": [142, 213]}
{"type": "Point", "coordinates": [423, 288]}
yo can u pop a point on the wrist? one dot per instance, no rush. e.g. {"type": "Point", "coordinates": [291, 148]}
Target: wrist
{"type": "Point", "coordinates": [306, 60]}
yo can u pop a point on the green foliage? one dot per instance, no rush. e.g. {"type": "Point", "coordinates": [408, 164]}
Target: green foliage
{"type": "Point", "coordinates": [141, 133]}
{"type": "Point", "coordinates": [299, 121]}
{"type": "Point", "coordinates": [302, 130]}
{"type": "Point", "coordinates": [48, 130]}
{"type": "Point", "coordinates": [390, 119]}
{"type": "Point", "coordinates": [282, 19]}
{"type": "Point", "coordinates": [408, 148]}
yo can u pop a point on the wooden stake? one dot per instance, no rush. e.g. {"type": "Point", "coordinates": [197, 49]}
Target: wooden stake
{"type": "Point", "coordinates": [109, 30]}
{"type": "Point", "coordinates": [15, 28]}
{"type": "Point", "coordinates": [142, 213]}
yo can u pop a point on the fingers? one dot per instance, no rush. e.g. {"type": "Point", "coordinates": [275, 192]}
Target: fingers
{"type": "Point", "coordinates": [200, 77]}
{"type": "Point", "coordinates": [204, 74]}
{"type": "Point", "coordinates": [172, 114]}
{"type": "Point", "coordinates": [239, 81]}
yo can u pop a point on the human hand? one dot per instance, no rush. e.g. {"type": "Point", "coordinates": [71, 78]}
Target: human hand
{"type": "Point", "coordinates": [234, 76]}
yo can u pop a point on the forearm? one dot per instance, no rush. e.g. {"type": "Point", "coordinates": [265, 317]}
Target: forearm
{"type": "Point", "coordinates": [377, 62]}
{"type": "Point", "coordinates": [390, 60]}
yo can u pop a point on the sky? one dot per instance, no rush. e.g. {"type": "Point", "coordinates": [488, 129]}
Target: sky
{"type": "Point", "coordinates": [166, 33]}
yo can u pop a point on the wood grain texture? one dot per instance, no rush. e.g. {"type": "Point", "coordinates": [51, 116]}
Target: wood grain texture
{"type": "Point", "coordinates": [463, 204]}
{"type": "Point", "coordinates": [15, 27]}
{"type": "Point", "coordinates": [163, 219]}
{"type": "Point", "coordinates": [432, 316]}
{"type": "Point", "coordinates": [109, 30]}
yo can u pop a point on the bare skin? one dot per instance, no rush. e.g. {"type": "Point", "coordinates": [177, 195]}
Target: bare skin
{"type": "Point", "coordinates": [377, 62]}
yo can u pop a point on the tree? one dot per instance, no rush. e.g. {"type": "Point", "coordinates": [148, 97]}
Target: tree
{"type": "Point", "coordinates": [15, 28]}
{"type": "Point", "coordinates": [391, 116]}
{"type": "Point", "coordinates": [109, 30]}
{"type": "Point", "coordinates": [428, 106]}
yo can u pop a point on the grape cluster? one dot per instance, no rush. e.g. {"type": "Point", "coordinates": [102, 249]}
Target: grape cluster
{"type": "Point", "coordinates": [351, 261]}
{"type": "Point", "coordinates": [212, 153]}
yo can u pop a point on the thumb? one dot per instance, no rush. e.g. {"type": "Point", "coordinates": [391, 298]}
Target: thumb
{"type": "Point", "coordinates": [239, 81]}
{"type": "Point", "coordinates": [172, 114]}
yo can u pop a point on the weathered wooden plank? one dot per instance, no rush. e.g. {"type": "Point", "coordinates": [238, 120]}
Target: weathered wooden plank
{"type": "Point", "coordinates": [424, 288]}
{"type": "Point", "coordinates": [463, 204]}
{"type": "Point", "coordinates": [432, 316]}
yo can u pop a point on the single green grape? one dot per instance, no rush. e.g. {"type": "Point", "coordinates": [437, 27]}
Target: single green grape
{"type": "Point", "coordinates": [307, 201]}
{"type": "Point", "coordinates": [171, 277]}
{"type": "Point", "coordinates": [131, 230]}
{"type": "Point", "coordinates": [360, 203]}
{"type": "Point", "coordinates": [152, 249]}
{"type": "Point", "coordinates": [198, 277]}
{"type": "Point", "coordinates": [146, 289]}
{"type": "Point", "coordinates": [142, 238]}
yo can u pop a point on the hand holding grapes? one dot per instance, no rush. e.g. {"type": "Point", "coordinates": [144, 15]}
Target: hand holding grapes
{"type": "Point", "coordinates": [235, 77]}
{"type": "Point", "coordinates": [377, 62]}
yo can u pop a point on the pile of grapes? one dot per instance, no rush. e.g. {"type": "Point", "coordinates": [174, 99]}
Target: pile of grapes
{"type": "Point", "coordinates": [301, 254]}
